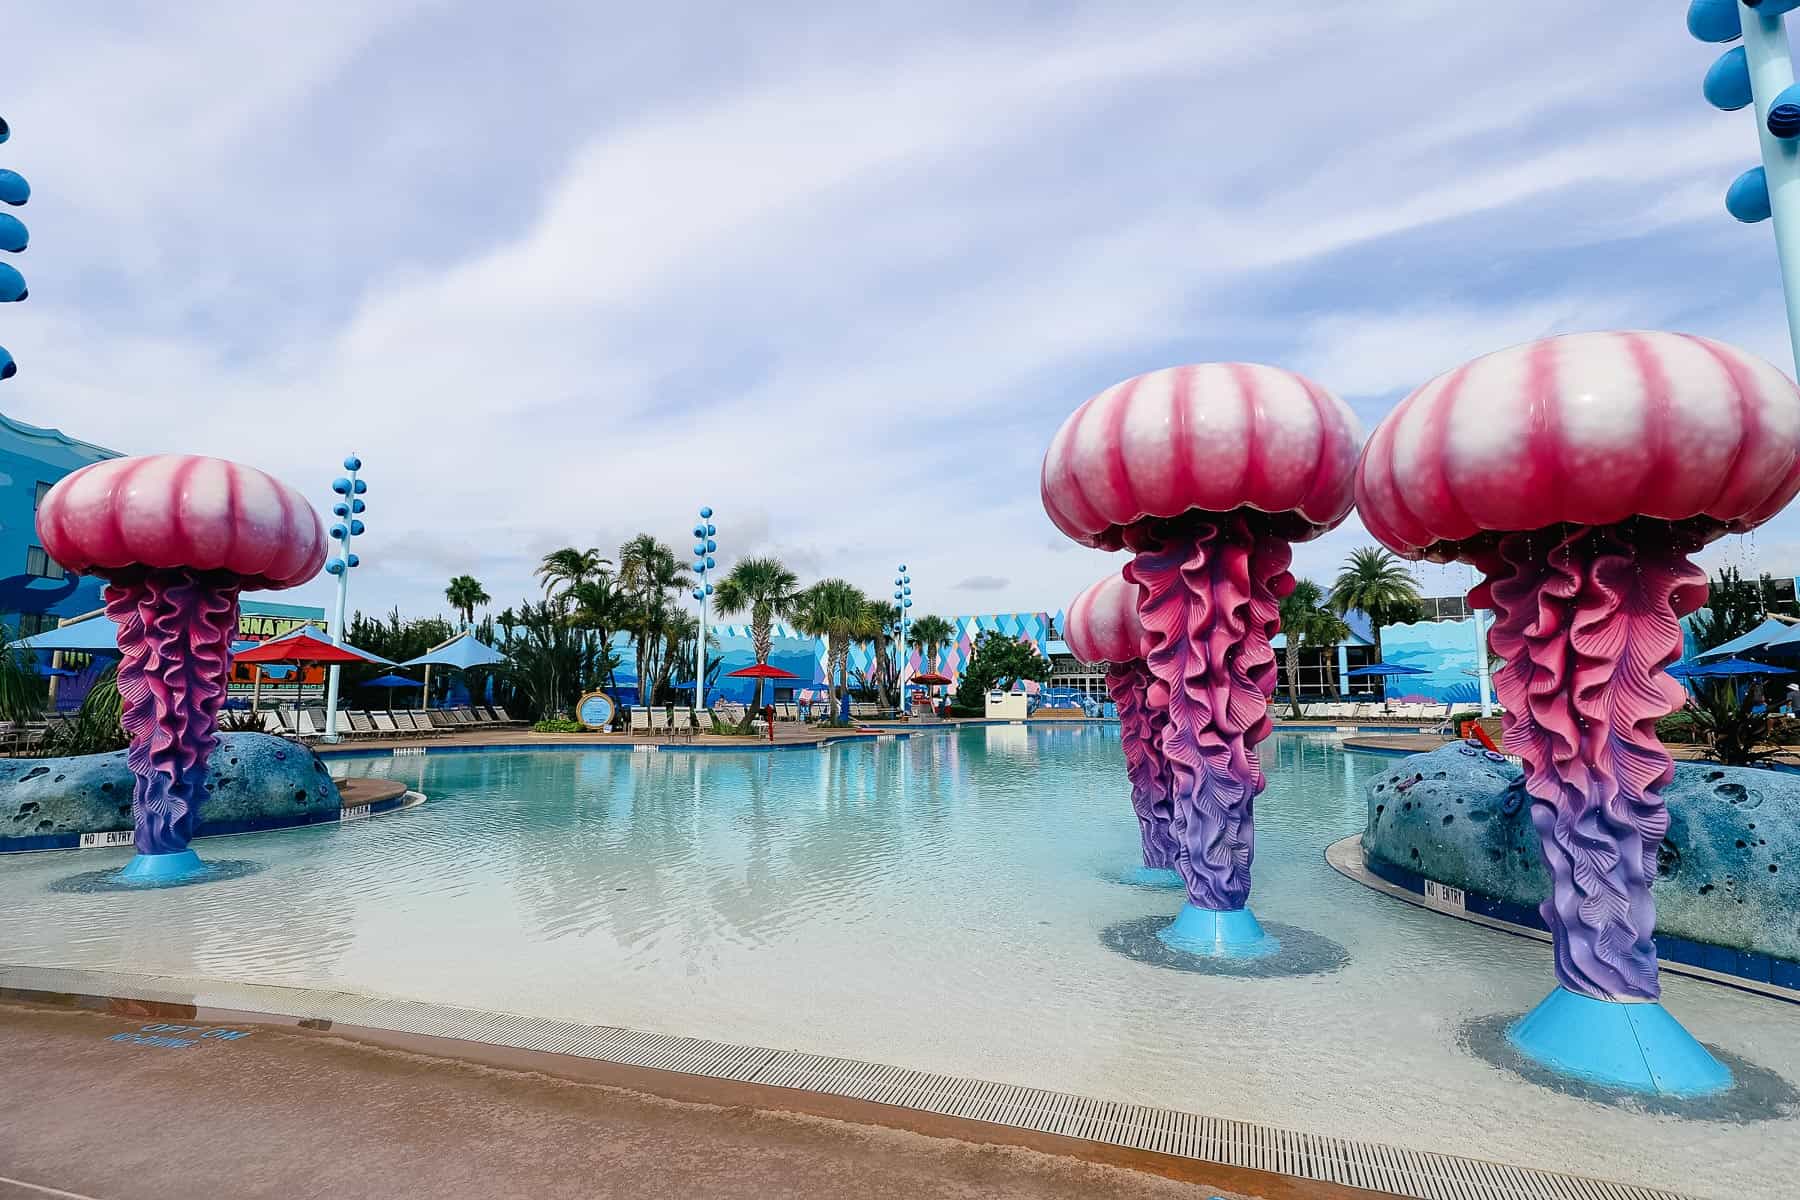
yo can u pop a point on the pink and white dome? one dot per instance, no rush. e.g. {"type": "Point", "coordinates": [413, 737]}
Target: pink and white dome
{"type": "Point", "coordinates": [1213, 437]}
{"type": "Point", "coordinates": [1585, 428]}
{"type": "Point", "coordinates": [165, 511]}
{"type": "Point", "coordinates": [1102, 623]}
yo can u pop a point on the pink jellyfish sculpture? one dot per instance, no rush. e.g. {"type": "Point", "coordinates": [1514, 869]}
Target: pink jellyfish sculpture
{"type": "Point", "coordinates": [176, 537]}
{"type": "Point", "coordinates": [1207, 474]}
{"type": "Point", "coordinates": [1102, 626]}
{"type": "Point", "coordinates": [1579, 473]}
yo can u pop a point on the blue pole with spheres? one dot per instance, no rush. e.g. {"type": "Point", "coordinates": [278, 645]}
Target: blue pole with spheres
{"type": "Point", "coordinates": [348, 510]}
{"type": "Point", "coordinates": [704, 565]}
{"type": "Point", "coordinates": [13, 238]}
{"type": "Point", "coordinates": [1761, 73]}
{"type": "Point", "coordinates": [903, 597]}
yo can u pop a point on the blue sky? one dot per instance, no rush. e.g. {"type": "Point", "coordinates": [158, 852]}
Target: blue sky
{"type": "Point", "coordinates": [566, 271]}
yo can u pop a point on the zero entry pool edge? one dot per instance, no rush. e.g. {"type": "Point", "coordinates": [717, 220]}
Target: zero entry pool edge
{"type": "Point", "coordinates": [1171, 1132]}
{"type": "Point", "coordinates": [1759, 974]}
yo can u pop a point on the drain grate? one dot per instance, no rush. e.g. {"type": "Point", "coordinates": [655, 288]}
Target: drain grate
{"type": "Point", "coordinates": [1369, 1165]}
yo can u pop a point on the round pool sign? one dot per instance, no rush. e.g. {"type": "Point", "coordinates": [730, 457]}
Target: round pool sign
{"type": "Point", "coordinates": [595, 710]}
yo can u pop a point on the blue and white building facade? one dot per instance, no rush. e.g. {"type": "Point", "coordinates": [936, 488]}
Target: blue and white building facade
{"type": "Point", "coordinates": [35, 593]}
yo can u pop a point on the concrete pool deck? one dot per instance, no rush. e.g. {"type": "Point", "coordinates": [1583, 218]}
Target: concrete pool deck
{"type": "Point", "coordinates": [287, 1111]}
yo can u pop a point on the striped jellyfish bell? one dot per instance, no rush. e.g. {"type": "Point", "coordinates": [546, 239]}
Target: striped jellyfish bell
{"type": "Point", "coordinates": [1589, 429]}
{"type": "Point", "coordinates": [1214, 437]}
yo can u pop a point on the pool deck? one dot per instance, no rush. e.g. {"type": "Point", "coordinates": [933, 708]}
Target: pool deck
{"type": "Point", "coordinates": [278, 1111]}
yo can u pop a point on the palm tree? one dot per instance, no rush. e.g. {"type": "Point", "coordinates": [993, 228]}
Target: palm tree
{"type": "Point", "coordinates": [1307, 624]}
{"type": "Point", "coordinates": [464, 593]}
{"type": "Point", "coordinates": [599, 605]}
{"type": "Point", "coordinates": [649, 572]}
{"type": "Point", "coordinates": [881, 619]}
{"type": "Point", "coordinates": [570, 566]}
{"type": "Point", "coordinates": [931, 634]}
{"type": "Point", "coordinates": [768, 590]}
{"type": "Point", "coordinates": [833, 609]}
{"type": "Point", "coordinates": [1378, 585]}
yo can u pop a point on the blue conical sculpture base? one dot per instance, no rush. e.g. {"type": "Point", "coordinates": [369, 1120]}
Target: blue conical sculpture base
{"type": "Point", "coordinates": [1214, 934]}
{"type": "Point", "coordinates": [162, 869]}
{"type": "Point", "coordinates": [1636, 1047]}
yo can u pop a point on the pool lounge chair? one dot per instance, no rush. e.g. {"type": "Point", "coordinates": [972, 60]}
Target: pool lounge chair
{"type": "Point", "coordinates": [505, 717]}
{"type": "Point", "coordinates": [640, 720]}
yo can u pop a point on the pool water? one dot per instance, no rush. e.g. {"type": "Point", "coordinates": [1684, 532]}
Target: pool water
{"type": "Point", "coordinates": [935, 902]}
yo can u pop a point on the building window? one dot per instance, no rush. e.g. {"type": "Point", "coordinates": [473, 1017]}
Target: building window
{"type": "Point", "coordinates": [42, 565]}
{"type": "Point", "coordinates": [32, 624]}
{"type": "Point", "coordinates": [43, 489]}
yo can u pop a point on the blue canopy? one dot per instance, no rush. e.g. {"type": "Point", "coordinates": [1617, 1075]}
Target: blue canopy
{"type": "Point", "coordinates": [1724, 667]}
{"type": "Point", "coordinates": [1383, 668]}
{"type": "Point", "coordinates": [1771, 632]}
{"type": "Point", "coordinates": [95, 635]}
{"type": "Point", "coordinates": [461, 652]}
{"type": "Point", "coordinates": [393, 681]}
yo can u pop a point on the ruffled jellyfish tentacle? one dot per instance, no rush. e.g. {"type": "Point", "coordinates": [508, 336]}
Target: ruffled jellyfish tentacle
{"type": "Point", "coordinates": [1128, 685]}
{"type": "Point", "coordinates": [1209, 601]}
{"type": "Point", "coordinates": [1586, 630]}
{"type": "Point", "coordinates": [175, 630]}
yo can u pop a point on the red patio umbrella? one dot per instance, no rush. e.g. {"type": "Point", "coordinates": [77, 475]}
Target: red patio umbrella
{"type": "Point", "coordinates": [929, 680]}
{"type": "Point", "coordinates": [762, 671]}
{"type": "Point", "coordinates": [307, 645]}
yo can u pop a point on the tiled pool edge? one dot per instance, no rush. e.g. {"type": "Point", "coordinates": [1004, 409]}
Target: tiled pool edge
{"type": "Point", "coordinates": [1170, 1132]}
{"type": "Point", "coordinates": [345, 814]}
{"type": "Point", "coordinates": [1753, 973]}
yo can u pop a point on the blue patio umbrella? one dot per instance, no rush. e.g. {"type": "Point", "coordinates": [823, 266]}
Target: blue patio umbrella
{"type": "Point", "coordinates": [461, 652]}
{"type": "Point", "coordinates": [95, 635]}
{"type": "Point", "coordinates": [393, 681]}
{"type": "Point", "coordinates": [1770, 633]}
{"type": "Point", "coordinates": [1724, 668]}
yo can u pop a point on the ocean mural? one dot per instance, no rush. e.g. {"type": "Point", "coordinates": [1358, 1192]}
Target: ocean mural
{"type": "Point", "coordinates": [1444, 650]}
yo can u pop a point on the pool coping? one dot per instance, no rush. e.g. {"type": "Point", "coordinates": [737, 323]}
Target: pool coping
{"type": "Point", "coordinates": [665, 1064]}
{"type": "Point", "coordinates": [1745, 972]}
{"type": "Point", "coordinates": [111, 839]}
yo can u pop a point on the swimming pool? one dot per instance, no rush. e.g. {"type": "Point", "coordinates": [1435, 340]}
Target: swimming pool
{"type": "Point", "coordinates": [935, 903]}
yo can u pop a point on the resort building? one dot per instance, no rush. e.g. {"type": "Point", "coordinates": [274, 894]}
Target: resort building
{"type": "Point", "coordinates": [35, 593]}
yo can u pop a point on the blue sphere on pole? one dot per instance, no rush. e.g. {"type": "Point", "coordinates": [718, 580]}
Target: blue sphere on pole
{"type": "Point", "coordinates": [5, 129]}
{"type": "Point", "coordinates": [335, 566]}
{"type": "Point", "coordinates": [13, 234]}
{"type": "Point", "coordinates": [13, 188]}
{"type": "Point", "coordinates": [8, 368]}
{"type": "Point", "coordinates": [709, 589]}
{"type": "Point", "coordinates": [699, 531]}
{"type": "Point", "coordinates": [903, 568]}
{"type": "Point", "coordinates": [1784, 113]}
{"type": "Point", "coordinates": [699, 549]}
{"type": "Point", "coordinates": [357, 506]}
{"type": "Point", "coordinates": [705, 514]}
{"type": "Point", "coordinates": [356, 528]}
{"type": "Point", "coordinates": [699, 564]}
{"type": "Point", "coordinates": [1727, 83]}
{"type": "Point", "coordinates": [353, 463]}
{"type": "Point", "coordinates": [711, 545]}
{"type": "Point", "coordinates": [698, 594]}
{"type": "Point", "coordinates": [1747, 198]}
{"type": "Point", "coordinates": [12, 285]}
{"type": "Point", "coordinates": [341, 486]}
{"type": "Point", "coordinates": [361, 487]}
{"type": "Point", "coordinates": [1714, 20]}
{"type": "Point", "coordinates": [340, 509]}
{"type": "Point", "coordinates": [1772, 8]}
{"type": "Point", "coordinates": [906, 604]}
{"type": "Point", "coordinates": [711, 562]}
{"type": "Point", "coordinates": [339, 532]}
{"type": "Point", "coordinates": [355, 560]}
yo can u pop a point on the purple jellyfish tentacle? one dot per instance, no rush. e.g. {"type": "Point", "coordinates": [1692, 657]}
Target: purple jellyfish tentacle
{"type": "Point", "coordinates": [1209, 602]}
{"type": "Point", "coordinates": [175, 630]}
{"type": "Point", "coordinates": [1586, 619]}
{"type": "Point", "coordinates": [1127, 684]}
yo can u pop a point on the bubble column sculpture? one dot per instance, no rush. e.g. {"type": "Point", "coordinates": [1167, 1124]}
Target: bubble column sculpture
{"type": "Point", "coordinates": [704, 565]}
{"type": "Point", "coordinates": [348, 510]}
{"type": "Point", "coordinates": [1207, 473]}
{"type": "Point", "coordinates": [903, 600]}
{"type": "Point", "coordinates": [1578, 474]}
{"type": "Point", "coordinates": [176, 537]}
{"type": "Point", "coordinates": [13, 238]}
{"type": "Point", "coordinates": [1760, 72]}
{"type": "Point", "coordinates": [1103, 627]}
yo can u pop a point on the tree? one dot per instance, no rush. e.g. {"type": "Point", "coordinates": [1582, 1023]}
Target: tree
{"type": "Point", "coordinates": [464, 594]}
{"type": "Point", "coordinates": [649, 572]}
{"type": "Point", "coordinates": [569, 566]}
{"type": "Point", "coordinates": [597, 604]}
{"type": "Point", "coordinates": [930, 635]}
{"type": "Point", "coordinates": [881, 620]}
{"type": "Point", "coordinates": [998, 660]}
{"type": "Point", "coordinates": [1378, 585]}
{"type": "Point", "coordinates": [1734, 606]}
{"type": "Point", "coordinates": [833, 609]}
{"type": "Point", "coordinates": [768, 590]}
{"type": "Point", "coordinates": [1307, 624]}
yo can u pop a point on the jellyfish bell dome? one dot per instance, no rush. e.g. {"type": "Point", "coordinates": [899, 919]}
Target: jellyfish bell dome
{"type": "Point", "coordinates": [1213, 437]}
{"type": "Point", "coordinates": [1102, 624]}
{"type": "Point", "coordinates": [1583, 429]}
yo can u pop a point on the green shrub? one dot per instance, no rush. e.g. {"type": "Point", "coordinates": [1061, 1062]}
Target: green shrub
{"type": "Point", "coordinates": [1677, 729]}
{"type": "Point", "coordinates": [559, 725]}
